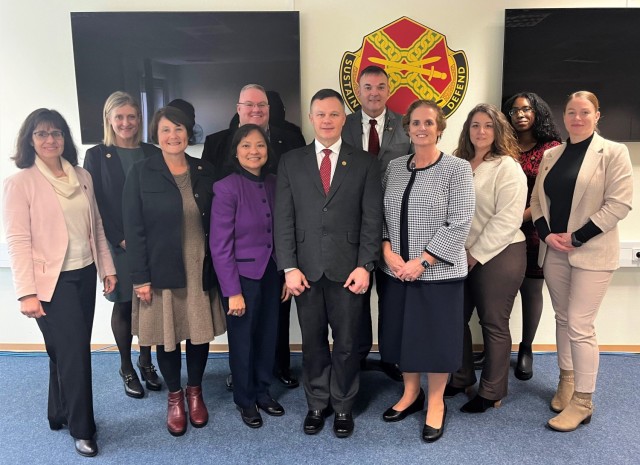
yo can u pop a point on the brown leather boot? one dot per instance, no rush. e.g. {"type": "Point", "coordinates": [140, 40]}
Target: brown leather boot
{"type": "Point", "coordinates": [198, 414]}
{"type": "Point", "coordinates": [176, 416]}
{"type": "Point", "coordinates": [577, 413]}
{"type": "Point", "coordinates": [564, 392]}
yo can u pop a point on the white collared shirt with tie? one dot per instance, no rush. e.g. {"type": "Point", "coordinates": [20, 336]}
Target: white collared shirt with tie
{"type": "Point", "coordinates": [366, 128]}
{"type": "Point", "coordinates": [335, 150]}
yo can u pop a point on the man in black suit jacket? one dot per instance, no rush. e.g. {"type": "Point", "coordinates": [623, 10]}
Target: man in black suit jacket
{"type": "Point", "coordinates": [328, 225]}
{"type": "Point", "coordinates": [393, 142]}
{"type": "Point", "coordinates": [253, 107]}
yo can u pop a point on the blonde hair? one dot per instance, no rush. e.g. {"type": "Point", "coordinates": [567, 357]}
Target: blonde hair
{"type": "Point", "coordinates": [116, 100]}
{"type": "Point", "coordinates": [583, 94]}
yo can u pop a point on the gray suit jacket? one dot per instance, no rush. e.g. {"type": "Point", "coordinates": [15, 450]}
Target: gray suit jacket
{"type": "Point", "coordinates": [395, 141]}
{"type": "Point", "coordinates": [332, 234]}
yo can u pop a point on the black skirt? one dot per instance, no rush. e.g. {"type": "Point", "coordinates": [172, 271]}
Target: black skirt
{"type": "Point", "coordinates": [421, 324]}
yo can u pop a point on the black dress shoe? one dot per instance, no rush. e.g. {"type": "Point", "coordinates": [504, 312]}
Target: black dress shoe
{"type": "Point", "coordinates": [478, 360]}
{"type": "Point", "coordinates": [132, 386]}
{"type": "Point", "coordinates": [524, 366]}
{"type": "Point", "coordinates": [452, 391]}
{"type": "Point", "coordinates": [391, 370]}
{"type": "Point", "coordinates": [251, 416]}
{"type": "Point", "coordinates": [86, 447]}
{"type": "Point", "coordinates": [431, 434]}
{"type": "Point", "coordinates": [271, 407]}
{"type": "Point", "coordinates": [229, 382]}
{"type": "Point", "coordinates": [394, 415]}
{"type": "Point", "coordinates": [150, 377]}
{"type": "Point", "coordinates": [343, 425]}
{"type": "Point", "coordinates": [314, 421]}
{"type": "Point", "coordinates": [479, 404]}
{"type": "Point", "coordinates": [286, 378]}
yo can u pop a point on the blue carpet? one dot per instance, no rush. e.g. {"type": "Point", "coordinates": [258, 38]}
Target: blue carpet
{"type": "Point", "coordinates": [133, 431]}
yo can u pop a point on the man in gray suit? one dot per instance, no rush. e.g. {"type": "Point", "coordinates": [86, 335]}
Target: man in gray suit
{"type": "Point", "coordinates": [328, 231]}
{"type": "Point", "coordinates": [379, 131]}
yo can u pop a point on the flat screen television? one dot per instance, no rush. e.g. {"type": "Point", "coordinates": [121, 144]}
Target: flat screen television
{"type": "Point", "coordinates": [554, 52]}
{"type": "Point", "coordinates": [204, 58]}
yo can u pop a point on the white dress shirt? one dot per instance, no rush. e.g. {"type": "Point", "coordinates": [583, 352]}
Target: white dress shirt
{"type": "Point", "coordinates": [366, 128]}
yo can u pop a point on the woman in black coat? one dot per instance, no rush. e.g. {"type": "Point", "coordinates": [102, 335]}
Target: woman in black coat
{"type": "Point", "coordinates": [108, 164]}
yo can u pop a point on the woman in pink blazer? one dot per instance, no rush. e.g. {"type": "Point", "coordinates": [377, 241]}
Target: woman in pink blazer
{"type": "Point", "coordinates": [584, 187]}
{"type": "Point", "coordinates": [56, 243]}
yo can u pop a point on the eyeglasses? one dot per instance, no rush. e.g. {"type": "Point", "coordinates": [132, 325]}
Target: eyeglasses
{"type": "Point", "coordinates": [261, 105]}
{"type": "Point", "coordinates": [525, 110]}
{"type": "Point", "coordinates": [44, 135]}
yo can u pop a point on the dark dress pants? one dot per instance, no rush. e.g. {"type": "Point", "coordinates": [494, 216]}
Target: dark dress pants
{"type": "Point", "coordinates": [330, 378]}
{"type": "Point", "coordinates": [491, 289]}
{"type": "Point", "coordinates": [283, 352]}
{"type": "Point", "coordinates": [366, 327]}
{"type": "Point", "coordinates": [66, 328]}
{"type": "Point", "coordinates": [252, 337]}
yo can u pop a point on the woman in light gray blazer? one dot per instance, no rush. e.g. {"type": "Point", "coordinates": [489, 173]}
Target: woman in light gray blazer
{"type": "Point", "coordinates": [583, 189]}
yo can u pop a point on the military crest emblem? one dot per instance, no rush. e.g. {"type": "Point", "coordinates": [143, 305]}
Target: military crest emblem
{"type": "Point", "coordinates": [418, 61]}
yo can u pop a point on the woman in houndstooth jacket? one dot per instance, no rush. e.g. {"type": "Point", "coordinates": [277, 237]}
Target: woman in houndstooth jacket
{"type": "Point", "coordinates": [428, 206]}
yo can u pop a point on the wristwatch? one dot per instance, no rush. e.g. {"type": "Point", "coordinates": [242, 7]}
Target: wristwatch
{"type": "Point", "coordinates": [575, 242]}
{"type": "Point", "coordinates": [425, 264]}
{"type": "Point", "coordinates": [369, 266]}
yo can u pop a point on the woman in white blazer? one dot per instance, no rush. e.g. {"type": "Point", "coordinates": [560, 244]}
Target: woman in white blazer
{"type": "Point", "coordinates": [56, 243]}
{"type": "Point", "coordinates": [583, 189]}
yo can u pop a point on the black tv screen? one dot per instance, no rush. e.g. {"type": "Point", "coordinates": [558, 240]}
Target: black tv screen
{"type": "Point", "coordinates": [554, 52]}
{"type": "Point", "coordinates": [202, 57]}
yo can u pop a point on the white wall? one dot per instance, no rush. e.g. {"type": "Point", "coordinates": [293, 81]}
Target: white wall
{"type": "Point", "coordinates": [37, 57]}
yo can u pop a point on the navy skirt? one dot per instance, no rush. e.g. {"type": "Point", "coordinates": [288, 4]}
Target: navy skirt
{"type": "Point", "coordinates": [421, 324]}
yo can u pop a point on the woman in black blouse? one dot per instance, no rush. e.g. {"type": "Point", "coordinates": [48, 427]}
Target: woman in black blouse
{"type": "Point", "coordinates": [584, 188]}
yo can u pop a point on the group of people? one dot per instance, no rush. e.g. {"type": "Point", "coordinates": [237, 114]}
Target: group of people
{"type": "Point", "coordinates": [189, 248]}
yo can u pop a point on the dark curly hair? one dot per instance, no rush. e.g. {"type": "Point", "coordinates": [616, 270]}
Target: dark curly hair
{"type": "Point", "coordinates": [25, 155]}
{"type": "Point", "coordinates": [544, 128]}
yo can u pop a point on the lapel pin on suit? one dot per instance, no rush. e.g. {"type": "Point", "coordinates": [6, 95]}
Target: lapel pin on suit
{"type": "Point", "coordinates": [344, 163]}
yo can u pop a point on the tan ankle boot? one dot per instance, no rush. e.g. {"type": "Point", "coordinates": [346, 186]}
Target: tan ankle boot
{"type": "Point", "coordinates": [564, 392]}
{"type": "Point", "coordinates": [577, 413]}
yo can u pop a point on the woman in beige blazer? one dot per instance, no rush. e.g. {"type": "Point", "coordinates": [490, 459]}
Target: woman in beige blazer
{"type": "Point", "coordinates": [56, 242]}
{"type": "Point", "coordinates": [584, 187]}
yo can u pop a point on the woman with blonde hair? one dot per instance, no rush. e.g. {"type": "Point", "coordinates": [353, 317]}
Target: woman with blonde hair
{"type": "Point", "coordinates": [584, 189]}
{"type": "Point", "coordinates": [108, 164]}
{"type": "Point", "coordinates": [495, 251]}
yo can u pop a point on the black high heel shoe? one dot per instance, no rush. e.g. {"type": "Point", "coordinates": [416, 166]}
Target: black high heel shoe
{"type": "Point", "coordinates": [132, 386]}
{"type": "Point", "coordinates": [480, 405]}
{"type": "Point", "coordinates": [150, 377]}
{"type": "Point", "coordinates": [431, 434]}
{"type": "Point", "coordinates": [524, 366]}
{"type": "Point", "coordinates": [394, 415]}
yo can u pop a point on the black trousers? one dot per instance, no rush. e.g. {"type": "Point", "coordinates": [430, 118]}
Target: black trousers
{"type": "Point", "coordinates": [366, 327]}
{"type": "Point", "coordinates": [66, 328]}
{"type": "Point", "coordinates": [330, 377]}
{"type": "Point", "coordinates": [283, 352]}
{"type": "Point", "coordinates": [252, 337]}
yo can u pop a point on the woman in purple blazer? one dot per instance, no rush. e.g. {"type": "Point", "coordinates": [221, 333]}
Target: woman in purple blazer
{"type": "Point", "coordinates": [241, 243]}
